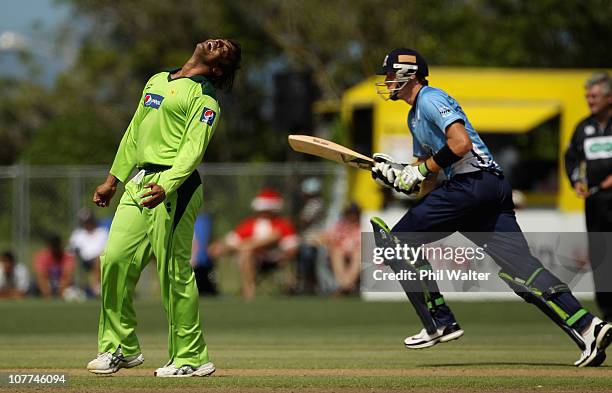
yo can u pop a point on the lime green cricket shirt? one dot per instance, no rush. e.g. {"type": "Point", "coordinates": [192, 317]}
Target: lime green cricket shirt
{"type": "Point", "coordinates": [172, 126]}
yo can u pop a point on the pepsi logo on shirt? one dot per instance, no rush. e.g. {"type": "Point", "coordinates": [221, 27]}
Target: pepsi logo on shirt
{"type": "Point", "coordinates": [153, 100]}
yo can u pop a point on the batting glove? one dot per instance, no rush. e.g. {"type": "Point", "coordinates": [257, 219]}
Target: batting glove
{"type": "Point", "coordinates": [386, 171]}
{"type": "Point", "coordinates": [409, 179]}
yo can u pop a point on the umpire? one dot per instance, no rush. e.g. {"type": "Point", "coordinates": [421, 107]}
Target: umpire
{"type": "Point", "coordinates": [588, 162]}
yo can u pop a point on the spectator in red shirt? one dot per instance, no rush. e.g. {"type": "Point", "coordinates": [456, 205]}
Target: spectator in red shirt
{"type": "Point", "coordinates": [54, 268]}
{"type": "Point", "coordinates": [262, 241]}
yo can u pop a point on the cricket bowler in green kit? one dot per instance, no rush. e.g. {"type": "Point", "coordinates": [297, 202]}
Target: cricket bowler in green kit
{"type": "Point", "coordinates": [165, 142]}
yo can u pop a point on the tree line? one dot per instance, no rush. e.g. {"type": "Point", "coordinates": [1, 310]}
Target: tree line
{"type": "Point", "coordinates": [82, 116]}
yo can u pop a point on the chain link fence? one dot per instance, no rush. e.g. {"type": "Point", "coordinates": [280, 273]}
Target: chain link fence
{"type": "Point", "coordinates": [39, 201]}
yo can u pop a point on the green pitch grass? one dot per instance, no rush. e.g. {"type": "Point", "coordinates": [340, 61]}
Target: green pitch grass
{"type": "Point", "coordinates": [307, 345]}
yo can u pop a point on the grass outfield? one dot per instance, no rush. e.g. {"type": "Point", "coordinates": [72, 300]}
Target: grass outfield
{"type": "Point", "coordinates": [308, 344]}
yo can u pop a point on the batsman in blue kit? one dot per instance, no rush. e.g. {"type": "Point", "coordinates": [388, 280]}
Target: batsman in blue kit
{"type": "Point", "coordinates": [476, 200]}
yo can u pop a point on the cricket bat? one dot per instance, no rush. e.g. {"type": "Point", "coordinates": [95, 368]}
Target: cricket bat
{"type": "Point", "coordinates": [334, 152]}
{"type": "Point", "coordinates": [330, 151]}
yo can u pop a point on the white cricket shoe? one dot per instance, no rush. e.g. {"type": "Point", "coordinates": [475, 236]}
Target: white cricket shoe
{"type": "Point", "coordinates": [185, 371]}
{"type": "Point", "coordinates": [596, 339]}
{"type": "Point", "coordinates": [442, 335]}
{"type": "Point", "coordinates": [108, 363]}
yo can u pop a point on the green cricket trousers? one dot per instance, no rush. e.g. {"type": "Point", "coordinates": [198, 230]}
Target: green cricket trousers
{"type": "Point", "coordinates": [137, 234]}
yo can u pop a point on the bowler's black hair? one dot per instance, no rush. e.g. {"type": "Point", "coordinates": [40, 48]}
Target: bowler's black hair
{"type": "Point", "coordinates": [228, 66]}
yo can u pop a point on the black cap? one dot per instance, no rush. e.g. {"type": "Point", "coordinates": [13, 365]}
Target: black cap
{"type": "Point", "coordinates": [404, 56]}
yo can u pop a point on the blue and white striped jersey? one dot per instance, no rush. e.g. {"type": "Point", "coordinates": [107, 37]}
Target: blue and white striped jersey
{"type": "Point", "coordinates": [431, 114]}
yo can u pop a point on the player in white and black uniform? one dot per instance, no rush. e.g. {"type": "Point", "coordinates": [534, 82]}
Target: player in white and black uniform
{"type": "Point", "coordinates": [588, 162]}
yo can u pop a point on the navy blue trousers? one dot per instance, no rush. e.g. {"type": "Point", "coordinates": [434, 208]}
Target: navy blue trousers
{"type": "Point", "coordinates": [479, 205]}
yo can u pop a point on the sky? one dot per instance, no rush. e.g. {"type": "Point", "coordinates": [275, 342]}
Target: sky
{"type": "Point", "coordinates": [32, 23]}
{"type": "Point", "coordinates": [19, 15]}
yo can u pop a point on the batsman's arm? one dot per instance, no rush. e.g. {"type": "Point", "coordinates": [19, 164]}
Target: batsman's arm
{"type": "Point", "coordinates": [458, 143]}
{"type": "Point", "coordinates": [419, 160]}
{"type": "Point", "coordinates": [199, 131]}
{"type": "Point", "coordinates": [452, 124]}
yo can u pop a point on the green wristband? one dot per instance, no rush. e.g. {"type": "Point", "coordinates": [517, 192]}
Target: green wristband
{"type": "Point", "coordinates": [423, 169]}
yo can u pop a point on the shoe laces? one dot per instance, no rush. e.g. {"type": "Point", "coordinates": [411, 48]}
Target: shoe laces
{"type": "Point", "coordinates": [116, 358]}
{"type": "Point", "coordinates": [185, 370]}
{"type": "Point", "coordinates": [105, 356]}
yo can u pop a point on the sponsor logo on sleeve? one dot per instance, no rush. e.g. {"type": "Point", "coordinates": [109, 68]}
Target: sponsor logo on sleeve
{"type": "Point", "coordinates": [153, 100]}
{"type": "Point", "coordinates": [208, 116]}
{"type": "Point", "coordinates": [444, 111]}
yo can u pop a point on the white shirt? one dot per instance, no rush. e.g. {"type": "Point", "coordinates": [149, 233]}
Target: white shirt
{"type": "Point", "coordinates": [21, 277]}
{"type": "Point", "coordinates": [88, 245]}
